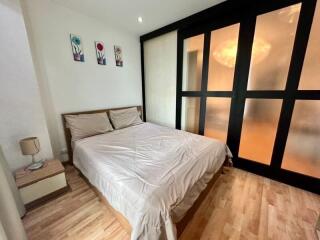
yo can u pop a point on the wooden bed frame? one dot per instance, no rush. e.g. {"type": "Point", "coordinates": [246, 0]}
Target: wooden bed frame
{"type": "Point", "coordinates": [123, 221]}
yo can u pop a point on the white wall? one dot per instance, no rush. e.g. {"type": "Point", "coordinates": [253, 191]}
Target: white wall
{"type": "Point", "coordinates": [21, 113]}
{"type": "Point", "coordinates": [160, 64]}
{"type": "Point", "coordinates": [67, 85]}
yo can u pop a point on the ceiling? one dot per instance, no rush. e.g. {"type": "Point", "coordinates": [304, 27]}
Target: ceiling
{"type": "Point", "coordinates": [124, 14]}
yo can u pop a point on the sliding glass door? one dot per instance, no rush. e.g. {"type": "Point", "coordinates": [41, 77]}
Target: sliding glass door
{"type": "Point", "coordinates": [302, 151]}
{"type": "Point", "coordinates": [268, 73]}
{"type": "Point", "coordinates": [207, 81]}
{"type": "Point", "coordinates": [239, 81]}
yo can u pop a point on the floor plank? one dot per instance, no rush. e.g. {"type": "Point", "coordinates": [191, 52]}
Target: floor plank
{"type": "Point", "coordinates": [241, 205]}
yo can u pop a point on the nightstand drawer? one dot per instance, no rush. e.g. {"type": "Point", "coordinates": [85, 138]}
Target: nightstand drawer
{"type": "Point", "coordinates": [43, 187]}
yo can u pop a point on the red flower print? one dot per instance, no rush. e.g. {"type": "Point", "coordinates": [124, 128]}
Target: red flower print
{"type": "Point", "coordinates": [100, 46]}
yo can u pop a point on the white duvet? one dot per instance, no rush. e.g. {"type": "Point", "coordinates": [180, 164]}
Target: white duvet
{"type": "Point", "coordinates": [150, 174]}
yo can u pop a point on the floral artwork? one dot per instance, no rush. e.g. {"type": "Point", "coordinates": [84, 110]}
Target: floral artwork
{"type": "Point", "coordinates": [118, 56]}
{"type": "Point", "coordinates": [101, 58]}
{"type": "Point", "coordinates": [76, 45]}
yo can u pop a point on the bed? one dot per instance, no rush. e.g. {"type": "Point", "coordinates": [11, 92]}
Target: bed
{"type": "Point", "coordinates": [152, 177]}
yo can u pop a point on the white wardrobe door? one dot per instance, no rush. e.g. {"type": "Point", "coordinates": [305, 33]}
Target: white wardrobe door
{"type": "Point", "coordinates": [160, 64]}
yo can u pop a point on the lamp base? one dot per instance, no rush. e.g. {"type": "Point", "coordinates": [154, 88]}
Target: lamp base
{"type": "Point", "coordinates": [35, 166]}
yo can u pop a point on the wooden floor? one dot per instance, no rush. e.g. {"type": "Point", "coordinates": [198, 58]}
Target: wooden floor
{"type": "Point", "coordinates": [241, 205]}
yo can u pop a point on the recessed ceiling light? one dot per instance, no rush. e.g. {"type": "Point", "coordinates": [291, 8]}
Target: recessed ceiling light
{"type": "Point", "coordinates": [140, 19]}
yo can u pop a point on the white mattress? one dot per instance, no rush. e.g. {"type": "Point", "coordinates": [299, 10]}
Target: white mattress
{"type": "Point", "coordinates": [150, 174]}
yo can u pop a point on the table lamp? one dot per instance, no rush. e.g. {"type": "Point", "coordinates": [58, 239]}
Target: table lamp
{"type": "Point", "coordinates": [31, 146]}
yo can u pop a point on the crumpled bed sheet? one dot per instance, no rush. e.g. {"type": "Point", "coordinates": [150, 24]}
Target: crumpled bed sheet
{"type": "Point", "coordinates": [150, 174]}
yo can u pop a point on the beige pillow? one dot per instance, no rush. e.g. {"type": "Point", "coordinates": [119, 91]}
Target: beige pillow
{"type": "Point", "coordinates": [125, 117]}
{"type": "Point", "coordinates": [86, 125]}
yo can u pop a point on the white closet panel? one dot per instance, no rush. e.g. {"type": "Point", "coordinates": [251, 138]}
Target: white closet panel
{"type": "Point", "coordinates": [160, 65]}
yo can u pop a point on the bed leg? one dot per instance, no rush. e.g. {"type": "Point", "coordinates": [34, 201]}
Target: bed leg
{"type": "Point", "coordinates": [227, 165]}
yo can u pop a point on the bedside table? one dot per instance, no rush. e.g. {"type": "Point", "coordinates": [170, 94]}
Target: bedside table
{"type": "Point", "coordinates": [39, 186]}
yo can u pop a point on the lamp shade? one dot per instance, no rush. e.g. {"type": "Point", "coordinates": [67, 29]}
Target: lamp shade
{"type": "Point", "coordinates": [30, 146]}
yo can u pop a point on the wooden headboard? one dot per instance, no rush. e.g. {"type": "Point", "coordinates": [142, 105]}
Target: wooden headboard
{"type": "Point", "coordinates": [67, 132]}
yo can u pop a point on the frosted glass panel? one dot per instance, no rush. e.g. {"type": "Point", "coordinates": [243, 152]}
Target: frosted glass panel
{"type": "Point", "coordinates": [217, 118]}
{"type": "Point", "coordinates": [310, 76]}
{"type": "Point", "coordinates": [192, 63]}
{"type": "Point", "coordinates": [272, 48]}
{"type": "Point", "coordinates": [223, 53]}
{"type": "Point", "coordinates": [190, 112]}
{"type": "Point", "coordinates": [302, 153]}
{"type": "Point", "coordinates": [160, 57]}
{"type": "Point", "coordinates": [259, 129]}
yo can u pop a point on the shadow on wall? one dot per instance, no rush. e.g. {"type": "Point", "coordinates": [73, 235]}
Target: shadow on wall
{"type": "Point", "coordinates": [11, 4]}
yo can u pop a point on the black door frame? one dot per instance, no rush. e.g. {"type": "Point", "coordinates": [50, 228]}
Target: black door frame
{"type": "Point", "coordinates": [239, 94]}
{"type": "Point", "coordinates": [245, 14]}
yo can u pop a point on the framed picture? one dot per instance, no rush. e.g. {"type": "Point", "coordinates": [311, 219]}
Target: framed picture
{"type": "Point", "coordinates": [101, 57]}
{"type": "Point", "coordinates": [77, 50]}
{"type": "Point", "coordinates": [118, 56]}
